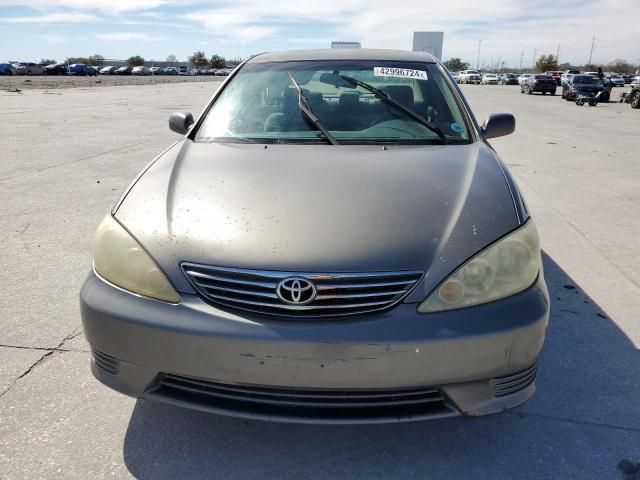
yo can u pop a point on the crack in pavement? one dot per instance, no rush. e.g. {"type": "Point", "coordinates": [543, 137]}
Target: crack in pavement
{"type": "Point", "coordinates": [571, 420]}
{"type": "Point", "coordinates": [49, 352]}
{"type": "Point", "coordinates": [72, 161]}
{"type": "Point", "coordinates": [46, 349]}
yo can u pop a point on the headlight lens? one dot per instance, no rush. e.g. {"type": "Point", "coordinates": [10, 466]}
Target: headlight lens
{"type": "Point", "coordinates": [505, 268]}
{"type": "Point", "coordinates": [119, 259]}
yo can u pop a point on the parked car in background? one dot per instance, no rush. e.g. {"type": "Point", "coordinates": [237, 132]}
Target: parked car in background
{"type": "Point", "coordinates": [80, 69]}
{"type": "Point", "coordinates": [523, 78]}
{"type": "Point", "coordinates": [155, 71]}
{"type": "Point", "coordinates": [7, 69]}
{"type": "Point", "coordinates": [108, 70]}
{"type": "Point", "coordinates": [470, 76]}
{"type": "Point", "coordinates": [455, 76]}
{"type": "Point", "coordinates": [29, 69]}
{"type": "Point", "coordinates": [616, 79]}
{"type": "Point", "coordinates": [395, 294]}
{"type": "Point", "coordinates": [508, 79]}
{"type": "Point", "coordinates": [567, 74]}
{"type": "Point", "coordinates": [576, 84]}
{"type": "Point", "coordinates": [635, 81]}
{"type": "Point", "coordinates": [489, 79]}
{"type": "Point", "coordinates": [56, 69]}
{"type": "Point", "coordinates": [126, 70]}
{"type": "Point", "coordinates": [170, 71]}
{"type": "Point", "coordinates": [628, 78]}
{"type": "Point", "coordinates": [141, 70]}
{"type": "Point", "coordinates": [539, 83]}
{"type": "Point", "coordinates": [557, 76]}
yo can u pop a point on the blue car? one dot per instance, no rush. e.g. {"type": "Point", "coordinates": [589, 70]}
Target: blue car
{"type": "Point", "coordinates": [7, 69]}
{"type": "Point", "coordinates": [80, 69]}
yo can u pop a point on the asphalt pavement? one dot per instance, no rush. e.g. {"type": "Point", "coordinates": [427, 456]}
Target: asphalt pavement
{"type": "Point", "coordinates": [65, 157]}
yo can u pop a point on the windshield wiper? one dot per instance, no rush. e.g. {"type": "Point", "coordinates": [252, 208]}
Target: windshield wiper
{"type": "Point", "coordinates": [385, 97]}
{"type": "Point", "coordinates": [306, 109]}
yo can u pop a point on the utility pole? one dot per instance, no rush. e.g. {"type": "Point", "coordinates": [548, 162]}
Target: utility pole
{"type": "Point", "coordinates": [533, 64]}
{"type": "Point", "coordinates": [478, 59]}
{"type": "Point", "coordinates": [521, 59]}
{"type": "Point", "coordinates": [593, 44]}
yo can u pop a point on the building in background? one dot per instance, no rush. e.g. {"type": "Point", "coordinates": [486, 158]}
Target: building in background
{"type": "Point", "coordinates": [430, 42]}
{"type": "Point", "coordinates": [346, 45]}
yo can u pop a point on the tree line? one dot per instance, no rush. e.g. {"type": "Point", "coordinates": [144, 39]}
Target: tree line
{"type": "Point", "coordinates": [198, 59]}
{"type": "Point", "coordinates": [546, 63]}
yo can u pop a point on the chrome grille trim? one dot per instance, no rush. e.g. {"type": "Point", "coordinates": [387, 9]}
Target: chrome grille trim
{"type": "Point", "coordinates": [339, 294]}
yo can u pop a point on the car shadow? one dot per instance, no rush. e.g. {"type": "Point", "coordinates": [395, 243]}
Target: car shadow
{"type": "Point", "coordinates": [584, 419]}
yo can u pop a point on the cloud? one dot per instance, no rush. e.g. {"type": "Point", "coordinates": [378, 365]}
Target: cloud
{"type": "Point", "coordinates": [107, 6]}
{"type": "Point", "coordinates": [505, 27]}
{"type": "Point", "coordinates": [129, 37]}
{"type": "Point", "coordinates": [54, 38]}
{"type": "Point", "coordinates": [59, 17]}
{"type": "Point", "coordinates": [239, 26]}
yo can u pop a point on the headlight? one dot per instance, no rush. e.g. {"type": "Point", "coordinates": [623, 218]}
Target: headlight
{"type": "Point", "coordinates": [119, 259]}
{"type": "Point", "coordinates": [507, 267]}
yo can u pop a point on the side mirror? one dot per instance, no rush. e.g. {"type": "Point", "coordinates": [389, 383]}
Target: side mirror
{"type": "Point", "coordinates": [180, 122]}
{"type": "Point", "coordinates": [499, 125]}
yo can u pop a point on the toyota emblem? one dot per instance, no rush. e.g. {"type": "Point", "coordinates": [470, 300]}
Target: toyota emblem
{"type": "Point", "coordinates": [296, 291]}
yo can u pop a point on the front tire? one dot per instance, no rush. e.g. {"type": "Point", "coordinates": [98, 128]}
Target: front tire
{"type": "Point", "coordinates": [635, 100]}
{"type": "Point", "coordinates": [529, 91]}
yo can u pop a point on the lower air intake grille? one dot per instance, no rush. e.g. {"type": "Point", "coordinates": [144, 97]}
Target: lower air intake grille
{"type": "Point", "coordinates": [513, 383]}
{"type": "Point", "coordinates": [296, 294]}
{"type": "Point", "coordinates": [316, 405]}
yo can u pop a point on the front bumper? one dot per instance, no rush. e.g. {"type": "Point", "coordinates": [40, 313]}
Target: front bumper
{"type": "Point", "coordinates": [472, 361]}
{"type": "Point", "coordinates": [543, 88]}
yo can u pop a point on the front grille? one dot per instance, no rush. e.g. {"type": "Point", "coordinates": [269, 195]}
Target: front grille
{"type": "Point", "coordinates": [513, 383]}
{"type": "Point", "coordinates": [105, 362]}
{"type": "Point", "coordinates": [316, 405]}
{"type": "Point", "coordinates": [338, 294]}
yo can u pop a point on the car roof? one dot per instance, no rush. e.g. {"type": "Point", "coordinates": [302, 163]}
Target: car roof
{"type": "Point", "coordinates": [344, 54]}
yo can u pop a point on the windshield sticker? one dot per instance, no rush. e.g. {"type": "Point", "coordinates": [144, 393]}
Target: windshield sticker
{"type": "Point", "coordinates": [456, 127]}
{"type": "Point", "coordinates": [399, 72]}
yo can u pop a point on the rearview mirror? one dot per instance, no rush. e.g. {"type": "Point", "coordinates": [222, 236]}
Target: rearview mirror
{"type": "Point", "coordinates": [334, 80]}
{"type": "Point", "coordinates": [180, 122]}
{"type": "Point", "coordinates": [499, 125]}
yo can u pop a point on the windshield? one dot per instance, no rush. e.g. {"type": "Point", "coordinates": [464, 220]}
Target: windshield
{"type": "Point", "coordinates": [585, 79]}
{"type": "Point", "coordinates": [261, 104]}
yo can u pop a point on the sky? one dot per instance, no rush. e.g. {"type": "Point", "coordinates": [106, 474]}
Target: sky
{"type": "Point", "coordinates": [513, 31]}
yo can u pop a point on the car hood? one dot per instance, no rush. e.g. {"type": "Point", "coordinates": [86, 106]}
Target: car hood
{"type": "Point", "coordinates": [317, 208]}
